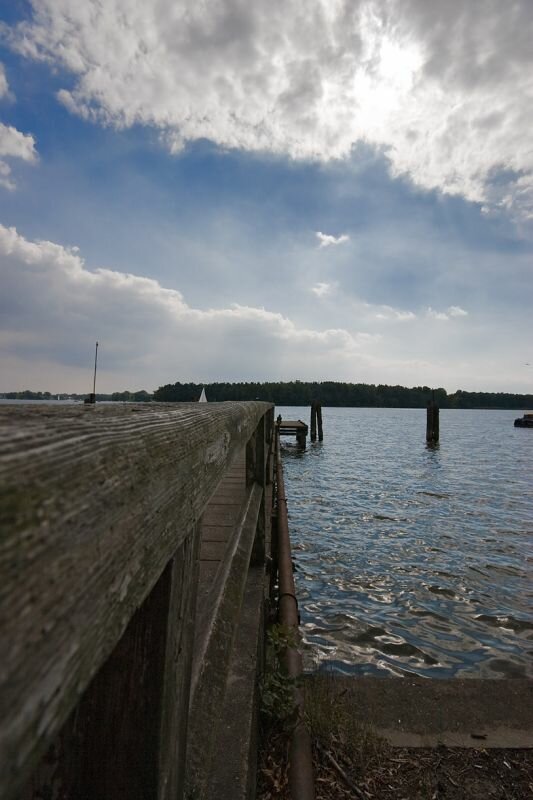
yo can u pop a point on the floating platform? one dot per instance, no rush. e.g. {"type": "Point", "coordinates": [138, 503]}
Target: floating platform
{"type": "Point", "coordinates": [294, 427]}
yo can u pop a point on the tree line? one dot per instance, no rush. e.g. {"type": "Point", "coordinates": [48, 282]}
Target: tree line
{"type": "Point", "coordinates": [302, 393]}
{"type": "Point", "coordinates": [27, 394]}
{"type": "Point", "coordinates": [333, 393]}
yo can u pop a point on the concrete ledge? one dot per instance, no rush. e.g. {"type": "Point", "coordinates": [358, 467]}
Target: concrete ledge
{"type": "Point", "coordinates": [214, 649]}
{"type": "Point", "coordinates": [418, 712]}
{"type": "Point", "coordinates": [235, 763]}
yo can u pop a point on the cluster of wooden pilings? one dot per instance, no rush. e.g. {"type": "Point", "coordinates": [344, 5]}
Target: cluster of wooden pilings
{"type": "Point", "coordinates": [299, 429]}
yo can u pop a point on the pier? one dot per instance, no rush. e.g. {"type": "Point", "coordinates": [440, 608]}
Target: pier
{"type": "Point", "coordinates": [143, 551]}
{"type": "Point", "coordinates": [293, 427]}
{"type": "Point", "coordinates": [135, 588]}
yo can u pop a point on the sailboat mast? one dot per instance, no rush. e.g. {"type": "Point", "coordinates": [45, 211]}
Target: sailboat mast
{"type": "Point", "coordinates": [95, 362]}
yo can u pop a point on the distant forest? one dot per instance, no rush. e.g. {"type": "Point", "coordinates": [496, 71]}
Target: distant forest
{"type": "Point", "coordinates": [28, 394]}
{"type": "Point", "coordinates": [302, 393]}
{"type": "Point", "coordinates": [332, 393]}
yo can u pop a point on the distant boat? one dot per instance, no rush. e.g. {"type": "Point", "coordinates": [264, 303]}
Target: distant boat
{"type": "Point", "coordinates": [202, 398]}
{"type": "Point", "coordinates": [524, 422]}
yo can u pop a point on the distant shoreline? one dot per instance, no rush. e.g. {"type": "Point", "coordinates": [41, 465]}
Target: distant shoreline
{"type": "Point", "coordinates": [301, 393]}
{"type": "Point", "coordinates": [68, 402]}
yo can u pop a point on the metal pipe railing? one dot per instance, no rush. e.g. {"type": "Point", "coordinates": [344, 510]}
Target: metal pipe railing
{"type": "Point", "coordinates": [301, 780]}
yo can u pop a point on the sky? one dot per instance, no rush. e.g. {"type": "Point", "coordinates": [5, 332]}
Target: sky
{"type": "Point", "coordinates": [232, 190]}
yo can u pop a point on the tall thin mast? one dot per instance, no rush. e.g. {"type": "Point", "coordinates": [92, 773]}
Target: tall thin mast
{"type": "Point", "coordinates": [95, 362]}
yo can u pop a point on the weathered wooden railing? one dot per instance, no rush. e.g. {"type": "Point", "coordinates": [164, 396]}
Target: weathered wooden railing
{"type": "Point", "coordinates": [99, 523]}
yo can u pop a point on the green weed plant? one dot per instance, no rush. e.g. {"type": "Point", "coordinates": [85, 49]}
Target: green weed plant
{"type": "Point", "coordinates": [277, 688]}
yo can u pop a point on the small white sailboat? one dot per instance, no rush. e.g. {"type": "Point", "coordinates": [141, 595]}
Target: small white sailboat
{"type": "Point", "coordinates": [202, 398]}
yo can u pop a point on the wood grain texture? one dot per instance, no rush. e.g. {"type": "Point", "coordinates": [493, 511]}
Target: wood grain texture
{"type": "Point", "coordinates": [109, 745]}
{"type": "Point", "coordinates": [94, 502]}
{"type": "Point", "coordinates": [177, 675]}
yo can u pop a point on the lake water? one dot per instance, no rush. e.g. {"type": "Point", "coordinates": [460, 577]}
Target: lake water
{"type": "Point", "coordinates": [412, 559]}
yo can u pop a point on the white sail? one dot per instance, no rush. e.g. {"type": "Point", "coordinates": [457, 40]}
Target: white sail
{"type": "Point", "coordinates": [203, 398]}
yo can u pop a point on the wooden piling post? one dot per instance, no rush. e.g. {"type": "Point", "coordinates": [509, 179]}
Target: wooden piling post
{"type": "Point", "coordinates": [316, 420]}
{"type": "Point", "coordinates": [319, 421]}
{"type": "Point", "coordinates": [432, 423]}
{"type": "Point", "coordinates": [91, 400]}
{"type": "Point", "coordinates": [301, 437]}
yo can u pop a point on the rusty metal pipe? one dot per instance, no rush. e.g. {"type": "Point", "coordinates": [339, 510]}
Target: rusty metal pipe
{"type": "Point", "coordinates": [301, 780]}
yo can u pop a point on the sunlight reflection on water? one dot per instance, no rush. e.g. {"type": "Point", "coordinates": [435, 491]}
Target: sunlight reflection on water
{"type": "Point", "coordinates": [409, 558]}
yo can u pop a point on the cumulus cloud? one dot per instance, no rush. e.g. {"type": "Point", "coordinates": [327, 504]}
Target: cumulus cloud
{"type": "Point", "coordinates": [441, 315]}
{"type": "Point", "coordinates": [322, 289]}
{"type": "Point", "coordinates": [327, 240]}
{"type": "Point", "coordinates": [53, 307]}
{"type": "Point", "coordinates": [392, 314]}
{"type": "Point", "coordinates": [444, 89]}
{"type": "Point", "coordinates": [452, 311]}
{"type": "Point", "coordinates": [4, 88]}
{"type": "Point", "coordinates": [13, 143]}
{"type": "Point", "coordinates": [5, 172]}
{"type": "Point", "coordinates": [457, 311]}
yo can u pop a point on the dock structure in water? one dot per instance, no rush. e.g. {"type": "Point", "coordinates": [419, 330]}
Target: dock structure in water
{"type": "Point", "coordinates": [293, 427]}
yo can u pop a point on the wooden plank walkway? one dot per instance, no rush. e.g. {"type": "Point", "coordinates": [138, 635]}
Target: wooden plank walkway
{"type": "Point", "coordinates": [228, 529]}
{"type": "Point", "coordinates": [232, 770]}
{"type": "Point", "coordinates": [218, 524]}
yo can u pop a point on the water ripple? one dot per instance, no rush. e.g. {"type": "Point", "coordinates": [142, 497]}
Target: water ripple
{"type": "Point", "coordinates": [413, 559]}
